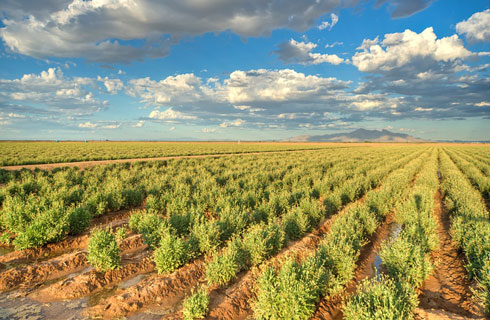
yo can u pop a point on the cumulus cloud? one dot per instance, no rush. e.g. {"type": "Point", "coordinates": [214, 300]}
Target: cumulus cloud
{"type": "Point", "coordinates": [112, 86]}
{"type": "Point", "coordinates": [100, 30]}
{"type": "Point", "coordinates": [410, 49]}
{"type": "Point", "coordinates": [477, 27]}
{"type": "Point", "coordinates": [293, 51]}
{"type": "Point", "coordinates": [87, 124]}
{"type": "Point", "coordinates": [405, 8]}
{"type": "Point", "coordinates": [52, 90]}
{"type": "Point", "coordinates": [139, 124]}
{"type": "Point", "coordinates": [336, 43]}
{"type": "Point", "coordinates": [169, 114]}
{"type": "Point", "coordinates": [208, 130]}
{"type": "Point", "coordinates": [329, 25]}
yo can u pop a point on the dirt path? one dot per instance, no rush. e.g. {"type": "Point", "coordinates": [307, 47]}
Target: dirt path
{"type": "Point", "coordinates": [448, 290]}
{"type": "Point", "coordinates": [88, 164]}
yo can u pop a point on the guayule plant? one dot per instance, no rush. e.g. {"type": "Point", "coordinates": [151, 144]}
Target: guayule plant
{"type": "Point", "coordinates": [196, 306]}
{"type": "Point", "coordinates": [383, 300]}
{"type": "Point", "coordinates": [103, 252]}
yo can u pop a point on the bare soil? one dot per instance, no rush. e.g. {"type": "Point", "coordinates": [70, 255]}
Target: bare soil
{"type": "Point", "coordinates": [448, 290]}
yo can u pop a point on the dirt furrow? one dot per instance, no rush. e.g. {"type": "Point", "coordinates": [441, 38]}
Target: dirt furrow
{"type": "Point", "coordinates": [235, 303]}
{"type": "Point", "coordinates": [70, 243]}
{"type": "Point", "coordinates": [28, 276]}
{"type": "Point", "coordinates": [154, 289]}
{"type": "Point", "coordinates": [93, 280]}
{"type": "Point", "coordinates": [449, 288]}
{"type": "Point", "coordinates": [330, 308]}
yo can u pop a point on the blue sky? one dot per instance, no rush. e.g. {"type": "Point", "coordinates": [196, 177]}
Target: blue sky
{"type": "Point", "coordinates": [222, 69]}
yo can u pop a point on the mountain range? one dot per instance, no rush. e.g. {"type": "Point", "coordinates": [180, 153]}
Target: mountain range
{"type": "Point", "coordinates": [359, 135]}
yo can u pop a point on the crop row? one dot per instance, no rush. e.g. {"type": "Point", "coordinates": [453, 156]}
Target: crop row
{"type": "Point", "coordinates": [41, 207]}
{"type": "Point", "coordinates": [260, 233]}
{"type": "Point", "coordinates": [180, 238]}
{"type": "Point", "coordinates": [470, 226]}
{"type": "Point", "coordinates": [473, 172]}
{"type": "Point", "coordinates": [405, 257]}
{"type": "Point", "coordinates": [292, 290]}
{"type": "Point", "coordinates": [17, 153]}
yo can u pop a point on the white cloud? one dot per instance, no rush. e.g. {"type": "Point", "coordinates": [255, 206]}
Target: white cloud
{"type": "Point", "coordinates": [289, 116]}
{"type": "Point", "coordinates": [171, 90]}
{"type": "Point", "coordinates": [120, 72]}
{"type": "Point", "coordinates": [293, 51]}
{"type": "Point", "coordinates": [87, 124]}
{"type": "Point", "coordinates": [336, 43]}
{"type": "Point", "coordinates": [477, 27]}
{"type": "Point", "coordinates": [53, 91]}
{"type": "Point", "coordinates": [171, 129]}
{"type": "Point", "coordinates": [243, 108]}
{"type": "Point", "coordinates": [169, 114]}
{"type": "Point", "coordinates": [139, 124]}
{"type": "Point", "coordinates": [406, 48]}
{"type": "Point", "coordinates": [483, 104]}
{"type": "Point", "coordinates": [235, 123]}
{"type": "Point", "coordinates": [208, 130]}
{"type": "Point", "coordinates": [329, 25]}
{"type": "Point", "coordinates": [96, 29]}
{"type": "Point", "coordinates": [15, 115]}
{"type": "Point", "coordinates": [90, 125]}
{"type": "Point", "coordinates": [112, 86]}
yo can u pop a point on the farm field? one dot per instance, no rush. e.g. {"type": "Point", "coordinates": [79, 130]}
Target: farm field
{"type": "Point", "coordinates": [346, 231]}
{"type": "Point", "coordinates": [36, 152]}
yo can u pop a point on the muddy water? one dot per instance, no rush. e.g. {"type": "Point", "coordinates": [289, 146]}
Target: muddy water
{"type": "Point", "coordinates": [377, 265]}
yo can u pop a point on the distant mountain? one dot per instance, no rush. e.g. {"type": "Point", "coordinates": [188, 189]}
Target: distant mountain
{"type": "Point", "coordinates": [358, 135]}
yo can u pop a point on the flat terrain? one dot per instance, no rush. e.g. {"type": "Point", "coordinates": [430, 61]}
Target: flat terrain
{"type": "Point", "coordinates": [272, 207]}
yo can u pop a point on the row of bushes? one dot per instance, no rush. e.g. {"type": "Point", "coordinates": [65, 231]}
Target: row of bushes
{"type": "Point", "coordinates": [406, 258]}
{"type": "Point", "coordinates": [293, 291]}
{"type": "Point", "coordinates": [470, 226]}
{"type": "Point", "coordinates": [40, 207]}
{"type": "Point", "coordinates": [474, 173]}
{"type": "Point", "coordinates": [179, 238]}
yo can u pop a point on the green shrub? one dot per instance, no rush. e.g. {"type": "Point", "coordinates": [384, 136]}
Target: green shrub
{"type": "Point", "coordinates": [196, 306]}
{"type": "Point", "coordinates": [262, 241]}
{"type": "Point", "coordinates": [208, 234]}
{"type": "Point", "coordinates": [120, 234]}
{"type": "Point", "coordinates": [224, 267]}
{"type": "Point", "coordinates": [381, 300]}
{"type": "Point", "coordinates": [79, 220]}
{"type": "Point", "coordinates": [103, 252]}
{"type": "Point", "coordinates": [172, 253]}
{"type": "Point", "coordinates": [291, 293]}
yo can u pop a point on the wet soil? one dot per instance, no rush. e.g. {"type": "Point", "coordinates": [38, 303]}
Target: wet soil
{"type": "Point", "coordinates": [32, 275]}
{"type": "Point", "coordinates": [448, 290]}
{"type": "Point", "coordinates": [369, 266]}
{"type": "Point", "coordinates": [156, 289]}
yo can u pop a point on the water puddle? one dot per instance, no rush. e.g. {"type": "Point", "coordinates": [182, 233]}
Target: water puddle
{"type": "Point", "coordinates": [394, 232]}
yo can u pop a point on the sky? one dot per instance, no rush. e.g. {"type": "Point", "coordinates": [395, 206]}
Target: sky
{"type": "Point", "coordinates": [243, 70]}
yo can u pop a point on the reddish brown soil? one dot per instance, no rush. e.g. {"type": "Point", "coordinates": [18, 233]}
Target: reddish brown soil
{"type": "Point", "coordinates": [331, 307]}
{"type": "Point", "coordinates": [449, 288]}
{"type": "Point", "coordinates": [154, 289]}
{"type": "Point", "coordinates": [31, 275]}
{"type": "Point", "coordinates": [93, 280]}
{"type": "Point", "coordinates": [234, 303]}
{"type": "Point", "coordinates": [70, 243]}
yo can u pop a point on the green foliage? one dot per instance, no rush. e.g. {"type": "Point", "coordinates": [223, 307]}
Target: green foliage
{"type": "Point", "coordinates": [196, 306]}
{"type": "Point", "coordinates": [262, 241]}
{"type": "Point", "coordinates": [224, 267]}
{"type": "Point", "coordinates": [172, 253]}
{"type": "Point", "coordinates": [291, 293]}
{"type": "Point", "coordinates": [103, 252]}
{"type": "Point", "coordinates": [120, 234]}
{"type": "Point", "coordinates": [78, 220]}
{"type": "Point", "coordinates": [381, 300]}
